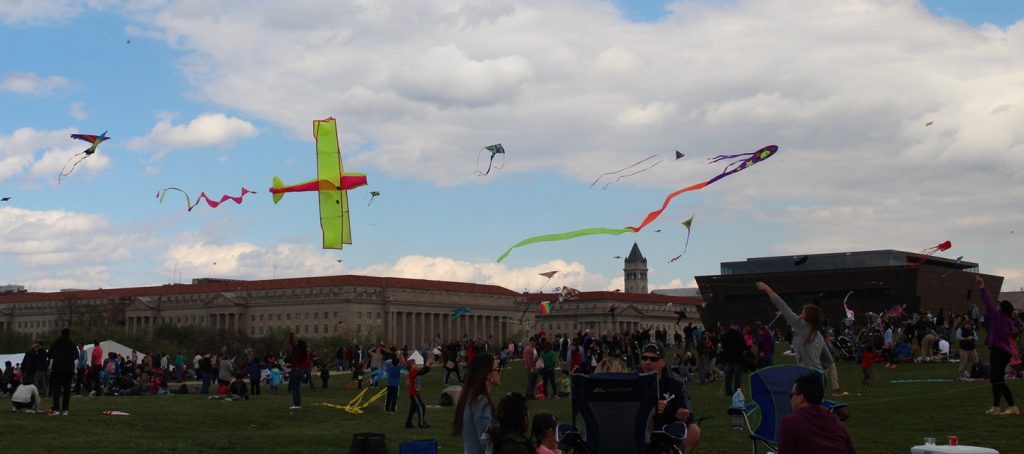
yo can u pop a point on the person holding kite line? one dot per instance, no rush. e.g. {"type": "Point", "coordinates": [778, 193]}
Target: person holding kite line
{"type": "Point", "coordinates": [999, 327]}
{"type": "Point", "coordinates": [807, 340]}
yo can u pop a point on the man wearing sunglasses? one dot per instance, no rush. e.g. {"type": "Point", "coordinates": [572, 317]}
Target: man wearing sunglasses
{"type": "Point", "coordinates": [674, 402]}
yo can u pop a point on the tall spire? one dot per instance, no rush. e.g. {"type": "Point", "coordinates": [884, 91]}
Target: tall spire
{"type": "Point", "coordinates": [635, 256]}
{"type": "Point", "coordinates": [635, 271]}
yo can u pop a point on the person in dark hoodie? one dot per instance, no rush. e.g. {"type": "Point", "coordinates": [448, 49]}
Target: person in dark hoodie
{"type": "Point", "coordinates": [65, 355]}
{"type": "Point", "coordinates": [811, 428]}
{"type": "Point", "coordinates": [300, 362]}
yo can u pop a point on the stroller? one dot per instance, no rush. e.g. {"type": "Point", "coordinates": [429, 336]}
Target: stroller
{"type": "Point", "coordinates": [845, 348]}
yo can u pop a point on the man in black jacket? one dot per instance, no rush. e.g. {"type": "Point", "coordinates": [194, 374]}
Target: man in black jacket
{"type": "Point", "coordinates": [64, 354]}
{"type": "Point", "coordinates": [732, 354]}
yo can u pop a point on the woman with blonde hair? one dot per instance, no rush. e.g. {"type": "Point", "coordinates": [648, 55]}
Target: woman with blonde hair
{"type": "Point", "coordinates": [611, 364]}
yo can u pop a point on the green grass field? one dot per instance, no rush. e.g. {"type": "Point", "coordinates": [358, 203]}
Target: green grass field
{"type": "Point", "coordinates": [886, 418]}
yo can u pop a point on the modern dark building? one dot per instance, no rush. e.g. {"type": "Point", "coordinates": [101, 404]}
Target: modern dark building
{"type": "Point", "coordinates": [869, 281]}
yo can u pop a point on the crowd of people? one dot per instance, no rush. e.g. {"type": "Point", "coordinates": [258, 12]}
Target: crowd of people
{"type": "Point", "coordinates": [703, 355]}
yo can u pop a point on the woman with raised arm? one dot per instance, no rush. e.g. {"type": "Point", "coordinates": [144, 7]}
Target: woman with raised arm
{"type": "Point", "coordinates": [999, 327]}
{"type": "Point", "coordinates": [807, 340]}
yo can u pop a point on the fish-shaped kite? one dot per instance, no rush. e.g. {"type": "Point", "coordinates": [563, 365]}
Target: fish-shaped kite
{"type": "Point", "coordinates": [495, 150]}
{"type": "Point", "coordinates": [332, 184]}
{"type": "Point", "coordinates": [748, 160]}
{"type": "Point", "coordinates": [94, 140]}
{"type": "Point", "coordinates": [5, 199]}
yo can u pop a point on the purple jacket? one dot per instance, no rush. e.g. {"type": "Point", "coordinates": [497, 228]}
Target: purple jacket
{"type": "Point", "coordinates": [997, 324]}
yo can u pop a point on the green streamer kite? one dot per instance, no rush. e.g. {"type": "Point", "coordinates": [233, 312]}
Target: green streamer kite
{"type": "Point", "coordinates": [749, 159]}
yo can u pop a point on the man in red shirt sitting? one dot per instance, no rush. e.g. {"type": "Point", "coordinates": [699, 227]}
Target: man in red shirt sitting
{"type": "Point", "coordinates": [811, 428]}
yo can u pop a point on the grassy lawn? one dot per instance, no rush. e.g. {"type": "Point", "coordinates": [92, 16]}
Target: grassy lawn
{"type": "Point", "coordinates": [886, 418]}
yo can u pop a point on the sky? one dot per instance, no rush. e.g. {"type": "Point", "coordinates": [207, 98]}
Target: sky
{"type": "Point", "coordinates": [216, 96]}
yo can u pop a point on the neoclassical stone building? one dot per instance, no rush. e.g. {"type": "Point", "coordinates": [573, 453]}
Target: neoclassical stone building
{"type": "Point", "coordinates": [403, 311]}
{"type": "Point", "coordinates": [395, 310]}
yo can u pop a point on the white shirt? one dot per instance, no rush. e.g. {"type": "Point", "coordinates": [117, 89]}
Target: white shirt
{"type": "Point", "coordinates": [944, 347]}
{"type": "Point", "coordinates": [25, 393]}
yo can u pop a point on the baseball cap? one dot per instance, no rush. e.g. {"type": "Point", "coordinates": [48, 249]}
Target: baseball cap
{"type": "Point", "coordinates": [654, 348]}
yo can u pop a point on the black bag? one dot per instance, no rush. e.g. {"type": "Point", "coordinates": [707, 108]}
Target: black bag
{"type": "Point", "coordinates": [446, 400]}
{"type": "Point", "coordinates": [183, 389]}
{"type": "Point", "coordinates": [368, 443]}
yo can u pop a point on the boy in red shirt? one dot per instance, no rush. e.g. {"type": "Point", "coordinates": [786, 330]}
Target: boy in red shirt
{"type": "Point", "coordinates": [866, 361]}
{"type": "Point", "coordinates": [415, 401]}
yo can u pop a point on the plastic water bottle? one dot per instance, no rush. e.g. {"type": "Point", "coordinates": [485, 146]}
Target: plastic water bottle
{"type": "Point", "coordinates": [738, 402]}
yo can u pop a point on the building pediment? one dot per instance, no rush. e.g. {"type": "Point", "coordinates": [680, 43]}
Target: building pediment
{"type": "Point", "coordinates": [222, 300]}
{"type": "Point", "coordinates": [630, 310]}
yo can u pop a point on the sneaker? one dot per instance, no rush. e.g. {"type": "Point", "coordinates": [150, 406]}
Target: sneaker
{"type": "Point", "coordinates": [65, 413]}
{"type": "Point", "coordinates": [994, 411]}
{"type": "Point", "coordinates": [1012, 411]}
{"type": "Point", "coordinates": [54, 413]}
{"type": "Point", "coordinates": [295, 407]}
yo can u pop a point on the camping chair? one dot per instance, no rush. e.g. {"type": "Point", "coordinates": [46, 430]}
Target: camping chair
{"type": "Point", "coordinates": [616, 409]}
{"type": "Point", "coordinates": [769, 389]}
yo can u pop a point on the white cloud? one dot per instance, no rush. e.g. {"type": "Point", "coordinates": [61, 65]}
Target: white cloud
{"type": "Point", "coordinates": [59, 238]}
{"type": "Point", "coordinates": [15, 11]}
{"type": "Point", "coordinates": [32, 84]}
{"type": "Point", "coordinates": [206, 130]}
{"type": "Point", "coordinates": [77, 111]}
{"type": "Point", "coordinates": [20, 150]}
{"type": "Point", "coordinates": [445, 76]}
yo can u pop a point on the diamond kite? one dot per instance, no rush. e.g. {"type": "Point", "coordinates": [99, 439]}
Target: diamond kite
{"type": "Point", "coordinates": [495, 150]}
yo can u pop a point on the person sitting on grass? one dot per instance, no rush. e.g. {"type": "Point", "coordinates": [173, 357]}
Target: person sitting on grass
{"type": "Point", "coordinates": [564, 385]}
{"type": "Point", "coordinates": [238, 389]}
{"type": "Point", "coordinates": [25, 398]}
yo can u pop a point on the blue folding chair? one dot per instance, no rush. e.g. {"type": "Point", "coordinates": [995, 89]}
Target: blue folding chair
{"type": "Point", "coordinates": [616, 409]}
{"type": "Point", "coordinates": [769, 389]}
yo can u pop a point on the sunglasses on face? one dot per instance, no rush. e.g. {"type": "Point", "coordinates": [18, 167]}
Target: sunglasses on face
{"type": "Point", "coordinates": [651, 359]}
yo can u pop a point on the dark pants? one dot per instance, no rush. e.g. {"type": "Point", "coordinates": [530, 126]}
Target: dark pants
{"type": "Point", "coordinates": [61, 390]}
{"type": "Point", "coordinates": [254, 387]}
{"type": "Point", "coordinates": [416, 406]}
{"type": "Point", "coordinates": [867, 376]}
{"type": "Point", "coordinates": [531, 384]}
{"type": "Point", "coordinates": [548, 375]}
{"type": "Point", "coordinates": [94, 379]}
{"type": "Point", "coordinates": [391, 404]}
{"type": "Point", "coordinates": [307, 377]}
{"type": "Point", "coordinates": [207, 379]}
{"type": "Point", "coordinates": [1000, 359]}
{"type": "Point", "coordinates": [295, 384]}
{"type": "Point", "coordinates": [79, 380]}
{"type": "Point", "coordinates": [733, 375]}
{"type": "Point", "coordinates": [323, 380]}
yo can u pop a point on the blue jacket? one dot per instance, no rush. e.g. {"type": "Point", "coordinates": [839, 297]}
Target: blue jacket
{"type": "Point", "coordinates": [255, 371]}
{"type": "Point", "coordinates": [394, 373]}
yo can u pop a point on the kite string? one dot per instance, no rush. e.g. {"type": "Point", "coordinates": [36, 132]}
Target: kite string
{"type": "Point", "coordinates": [622, 169]}
{"type": "Point", "coordinates": [631, 174]}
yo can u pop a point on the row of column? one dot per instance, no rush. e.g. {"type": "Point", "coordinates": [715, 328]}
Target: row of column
{"type": "Point", "coordinates": [225, 321]}
{"type": "Point", "coordinates": [414, 328]}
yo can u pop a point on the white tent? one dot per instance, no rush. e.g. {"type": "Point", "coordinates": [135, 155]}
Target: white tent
{"type": "Point", "coordinates": [112, 346]}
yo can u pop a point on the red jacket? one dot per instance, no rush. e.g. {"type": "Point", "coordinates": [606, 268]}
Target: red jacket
{"type": "Point", "coordinates": [867, 360]}
{"type": "Point", "coordinates": [297, 360]}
